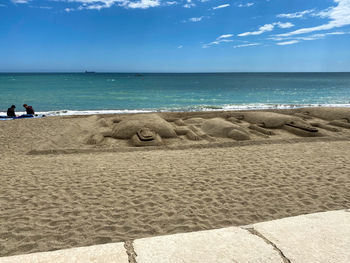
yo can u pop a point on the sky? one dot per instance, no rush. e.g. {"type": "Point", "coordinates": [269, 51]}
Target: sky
{"type": "Point", "coordinates": [174, 35]}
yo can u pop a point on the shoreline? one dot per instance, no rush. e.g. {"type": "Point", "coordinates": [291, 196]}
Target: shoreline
{"type": "Point", "coordinates": [246, 107]}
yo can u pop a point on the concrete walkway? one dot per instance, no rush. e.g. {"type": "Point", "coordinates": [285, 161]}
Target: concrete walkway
{"type": "Point", "coordinates": [320, 237]}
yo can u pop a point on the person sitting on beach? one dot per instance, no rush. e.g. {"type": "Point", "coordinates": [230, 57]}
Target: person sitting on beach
{"type": "Point", "coordinates": [29, 109]}
{"type": "Point", "coordinates": [11, 111]}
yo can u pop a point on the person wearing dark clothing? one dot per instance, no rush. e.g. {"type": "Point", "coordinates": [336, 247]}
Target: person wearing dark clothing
{"type": "Point", "coordinates": [29, 109]}
{"type": "Point", "coordinates": [11, 111]}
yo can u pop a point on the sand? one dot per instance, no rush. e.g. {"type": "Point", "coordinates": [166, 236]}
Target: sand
{"type": "Point", "coordinates": [69, 191]}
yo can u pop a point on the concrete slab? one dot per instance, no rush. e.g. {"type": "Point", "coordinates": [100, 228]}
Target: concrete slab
{"type": "Point", "coordinates": [231, 244]}
{"type": "Point", "coordinates": [108, 253]}
{"type": "Point", "coordinates": [320, 237]}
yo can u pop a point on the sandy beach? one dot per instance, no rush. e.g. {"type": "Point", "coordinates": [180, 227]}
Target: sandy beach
{"type": "Point", "coordinates": [83, 180]}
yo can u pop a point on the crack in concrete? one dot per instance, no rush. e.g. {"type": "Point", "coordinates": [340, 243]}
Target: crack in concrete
{"type": "Point", "coordinates": [256, 233]}
{"type": "Point", "coordinates": [130, 251]}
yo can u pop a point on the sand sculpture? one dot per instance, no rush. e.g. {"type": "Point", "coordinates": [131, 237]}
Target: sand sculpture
{"type": "Point", "coordinates": [146, 137]}
{"type": "Point", "coordinates": [330, 114]}
{"type": "Point", "coordinates": [218, 127]}
{"type": "Point", "coordinates": [154, 129]}
{"type": "Point", "coordinates": [273, 120]}
{"type": "Point", "coordinates": [337, 116]}
{"type": "Point", "coordinates": [142, 130]}
{"type": "Point", "coordinates": [128, 127]}
{"type": "Point", "coordinates": [151, 129]}
{"type": "Point", "coordinates": [208, 129]}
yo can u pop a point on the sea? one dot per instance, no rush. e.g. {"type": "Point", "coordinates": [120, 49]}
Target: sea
{"type": "Point", "coordinates": [99, 93]}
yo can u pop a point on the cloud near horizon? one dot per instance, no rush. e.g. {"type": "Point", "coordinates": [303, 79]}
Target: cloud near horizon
{"type": "Point", "coordinates": [287, 43]}
{"type": "Point", "coordinates": [298, 39]}
{"type": "Point", "coordinates": [310, 37]}
{"type": "Point", "coordinates": [247, 45]}
{"type": "Point", "coordinates": [226, 38]}
{"type": "Point", "coordinates": [267, 28]}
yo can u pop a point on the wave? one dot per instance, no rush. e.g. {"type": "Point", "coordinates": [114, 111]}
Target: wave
{"type": "Point", "coordinates": [227, 107]}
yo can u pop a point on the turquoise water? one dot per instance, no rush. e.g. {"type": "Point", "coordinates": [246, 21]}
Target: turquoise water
{"type": "Point", "coordinates": [76, 93]}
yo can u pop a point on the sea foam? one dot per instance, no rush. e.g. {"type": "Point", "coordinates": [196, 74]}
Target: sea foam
{"type": "Point", "coordinates": [228, 107]}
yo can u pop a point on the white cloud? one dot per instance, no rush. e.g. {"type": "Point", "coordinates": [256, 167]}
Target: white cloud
{"type": "Point", "coordinates": [93, 7]}
{"type": "Point", "coordinates": [246, 5]}
{"type": "Point", "coordinates": [217, 42]}
{"type": "Point", "coordinates": [20, 1]}
{"type": "Point", "coordinates": [287, 43]}
{"type": "Point", "coordinates": [267, 28]}
{"type": "Point", "coordinates": [189, 5]}
{"type": "Point", "coordinates": [224, 36]}
{"type": "Point", "coordinates": [100, 4]}
{"type": "Point", "coordinates": [247, 45]}
{"type": "Point", "coordinates": [262, 29]}
{"type": "Point", "coordinates": [221, 6]}
{"type": "Point", "coordinates": [310, 37]}
{"type": "Point", "coordinates": [339, 16]}
{"type": "Point", "coordinates": [41, 7]}
{"type": "Point", "coordinates": [195, 19]}
{"type": "Point", "coordinates": [320, 36]}
{"type": "Point", "coordinates": [171, 3]}
{"type": "Point", "coordinates": [296, 14]}
{"type": "Point", "coordinates": [284, 25]}
{"type": "Point", "coordinates": [143, 4]}
{"type": "Point", "coordinates": [181, 46]}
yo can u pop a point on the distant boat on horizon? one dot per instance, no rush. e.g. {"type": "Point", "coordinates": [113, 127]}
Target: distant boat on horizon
{"type": "Point", "coordinates": [89, 72]}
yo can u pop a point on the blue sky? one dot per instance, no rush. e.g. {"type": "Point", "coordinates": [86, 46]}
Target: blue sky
{"type": "Point", "coordinates": [174, 35]}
